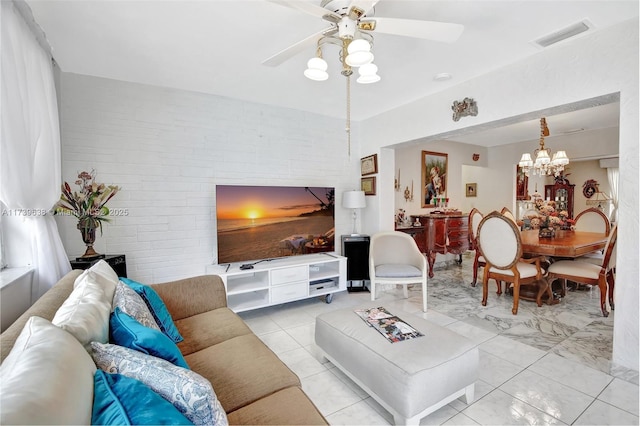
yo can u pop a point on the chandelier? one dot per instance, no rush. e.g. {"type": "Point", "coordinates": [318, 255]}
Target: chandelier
{"type": "Point", "coordinates": [545, 164]}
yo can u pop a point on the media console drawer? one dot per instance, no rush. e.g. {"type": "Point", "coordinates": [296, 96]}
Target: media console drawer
{"type": "Point", "coordinates": [289, 275]}
{"type": "Point", "coordinates": [285, 293]}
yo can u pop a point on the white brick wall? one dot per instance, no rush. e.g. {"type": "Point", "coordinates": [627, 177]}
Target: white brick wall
{"type": "Point", "coordinates": [168, 149]}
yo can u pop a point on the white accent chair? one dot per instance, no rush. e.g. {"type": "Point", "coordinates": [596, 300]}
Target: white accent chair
{"type": "Point", "coordinates": [500, 244]}
{"type": "Point", "coordinates": [394, 258]}
{"type": "Point", "coordinates": [590, 274]}
{"type": "Point", "coordinates": [478, 261]}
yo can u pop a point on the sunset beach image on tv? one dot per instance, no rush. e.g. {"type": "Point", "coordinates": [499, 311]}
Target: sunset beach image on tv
{"type": "Point", "coordinates": [263, 222]}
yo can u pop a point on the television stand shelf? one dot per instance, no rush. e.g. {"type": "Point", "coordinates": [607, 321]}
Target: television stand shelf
{"type": "Point", "coordinates": [281, 280]}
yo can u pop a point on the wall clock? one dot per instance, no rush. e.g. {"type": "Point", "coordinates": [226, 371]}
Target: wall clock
{"type": "Point", "coordinates": [589, 188]}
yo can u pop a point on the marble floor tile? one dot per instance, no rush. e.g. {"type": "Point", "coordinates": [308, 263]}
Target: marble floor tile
{"type": "Point", "coordinates": [475, 334]}
{"type": "Point", "coordinates": [500, 408]}
{"type": "Point", "coordinates": [329, 393]}
{"type": "Point", "coordinates": [359, 413]}
{"type": "Point", "coordinates": [301, 362]}
{"type": "Point", "coordinates": [600, 413]}
{"type": "Point", "coordinates": [494, 370]}
{"type": "Point", "coordinates": [573, 374]}
{"type": "Point", "coordinates": [460, 419]}
{"type": "Point", "coordinates": [514, 352]}
{"type": "Point", "coordinates": [304, 334]}
{"type": "Point", "coordinates": [553, 398]}
{"type": "Point", "coordinates": [621, 394]}
{"type": "Point", "coordinates": [279, 341]}
{"type": "Point", "coordinates": [482, 388]}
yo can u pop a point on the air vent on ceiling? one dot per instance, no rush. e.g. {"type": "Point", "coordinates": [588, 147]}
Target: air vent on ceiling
{"type": "Point", "coordinates": [563, 34]}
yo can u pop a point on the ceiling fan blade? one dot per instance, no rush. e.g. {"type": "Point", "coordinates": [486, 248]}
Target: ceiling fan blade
{"type": "Point", "coordinates": [358, 8]}
{"type": "Point", "coordinates": [429, 30]}
{"type": "Point", "coordinates": [294, 49]}
{"type": "Point", "coordinates": [309, 8]}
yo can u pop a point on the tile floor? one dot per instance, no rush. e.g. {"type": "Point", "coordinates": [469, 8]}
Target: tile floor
{"type": "Point", "coordinates": [547, 365]}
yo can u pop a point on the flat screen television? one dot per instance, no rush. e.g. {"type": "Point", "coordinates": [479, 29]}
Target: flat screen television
{"type": "Point", "coordinates": [265, 222]}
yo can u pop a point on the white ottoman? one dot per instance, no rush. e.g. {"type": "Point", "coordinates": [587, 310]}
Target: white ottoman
{"type": "Point", "coordinates": [411, 378]}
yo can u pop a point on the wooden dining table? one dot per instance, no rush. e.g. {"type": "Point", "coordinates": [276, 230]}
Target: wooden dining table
{"type": "Point", "coordinates": [565, 244]}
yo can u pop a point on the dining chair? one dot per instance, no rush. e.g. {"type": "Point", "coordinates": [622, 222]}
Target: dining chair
{"type": "Point", "coordinates": [500, 244]}
{"type": "Point", "coordinates": [394, 258]}
{"type": "Point", "coordinates": [506, 212]}
{"type": "Point", "coordinates": [593, 220]}
{"type": "Point", "coordinates": [478, 261]}
{"type": "Point", "coordinates": [587, 273]}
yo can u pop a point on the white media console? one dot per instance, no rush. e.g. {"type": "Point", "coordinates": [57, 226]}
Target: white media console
{"type": "Point", "coordinates": [276, 281]}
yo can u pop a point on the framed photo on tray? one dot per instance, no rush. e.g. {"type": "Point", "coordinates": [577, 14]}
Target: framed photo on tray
{"type": "Point", "coordinates": [369, 165]}
{"type": "Point", "coordinates": [434, 177]}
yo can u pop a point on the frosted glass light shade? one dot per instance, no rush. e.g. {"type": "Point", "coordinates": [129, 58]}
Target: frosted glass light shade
{"type": "Point", "coordinates": [368, 74]}
{"type": "Point", "coordinates": [359, 53]}
{"type": "Point", "coordinates": [316, 69]}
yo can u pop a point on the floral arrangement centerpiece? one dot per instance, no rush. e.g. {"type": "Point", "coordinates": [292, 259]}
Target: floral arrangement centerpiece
{"type": "Point", "coordinates": [88, 205]}
{"type": "Point", "coordinates": [549, 218]}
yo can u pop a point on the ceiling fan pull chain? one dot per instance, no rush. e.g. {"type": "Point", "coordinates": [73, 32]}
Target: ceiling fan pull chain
{"type": "Point", "coordinates": [348, 128]}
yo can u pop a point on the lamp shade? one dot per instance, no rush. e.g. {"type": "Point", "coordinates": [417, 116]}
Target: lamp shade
{"type": "Point", "coordinates": [353, 200]}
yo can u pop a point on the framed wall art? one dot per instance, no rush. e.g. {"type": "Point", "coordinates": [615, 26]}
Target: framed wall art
{"type": "Point", "coordinates": [368, 185]}
{"type": "Point", "coordinates": [369, 165]}
{"type": "Point", "coordinates": [434, 177]}
{"type": "Point", "coordinates": [472, 189]}
{"type": "Point", "coordinates": [522, 184]}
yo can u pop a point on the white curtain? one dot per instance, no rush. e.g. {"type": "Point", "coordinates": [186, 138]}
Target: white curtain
{"type": "Point", "coordinates": [613, 174]}
{"type": "Point", "coordinates": [30, 164]}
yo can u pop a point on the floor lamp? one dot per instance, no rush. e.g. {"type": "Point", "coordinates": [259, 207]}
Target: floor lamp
{"type": "Point", "coordinates": [353, 200]}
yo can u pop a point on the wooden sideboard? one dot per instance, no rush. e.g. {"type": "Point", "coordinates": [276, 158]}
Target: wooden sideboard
{"type": "Point", "coordinates": [440, 233]}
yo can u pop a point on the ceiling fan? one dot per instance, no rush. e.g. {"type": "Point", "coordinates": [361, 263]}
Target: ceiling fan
{"type": "Point", "coordinates": [353, 19]}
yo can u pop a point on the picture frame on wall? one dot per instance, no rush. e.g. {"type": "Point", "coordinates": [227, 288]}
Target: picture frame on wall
{"type": "Point", "coordinates": [472, 189]}
{"type": "Point", "coordinates": [434, 177]}
{"type": "Point", "coordinates": [522, 184]}
{"type": "Point", "coordinates": [369, 165]}
{"type": "Point", "coordinates": [368, 185]}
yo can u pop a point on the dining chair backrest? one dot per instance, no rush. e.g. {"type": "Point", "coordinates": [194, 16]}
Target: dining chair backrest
{"type": "Point", "coordinates": [507, 213]}
{"type": "Point", "coordinates": [474, 220]}
{"type": "Point", "coordinates": [499, 240]}
{"type": "Point", "coordinates": [609, 260]}
{"type": "Point", "coordinates": [592, 220]}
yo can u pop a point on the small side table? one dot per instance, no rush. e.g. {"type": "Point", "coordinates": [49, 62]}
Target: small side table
{"type": "Point", "coordinates": [116, 261]}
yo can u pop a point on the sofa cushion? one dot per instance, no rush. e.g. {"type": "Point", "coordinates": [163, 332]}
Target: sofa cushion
{"type": "Point", "coordinates": [47, 378]}
{"type": "Point", "coordinates": [106, 272]}
{"type": "Point", "coordinates": [245, 368]}
{"type": "Point", "coordinates": [126, 331]}
{"type": "Point", "coordinates": [157, 308]}
{"type": "Point", "coordinates": [133, 305]}
{"type": "Point", "coordinates": [188, 391]}
{"type": "Point", "coordinates": [85, 313]}
{"type": "Point", "coordinates": [278, 409]}
{"type": "Point", "coordinates": [199, 334]}
{"type": "Point", "coordinates": [121, 400]}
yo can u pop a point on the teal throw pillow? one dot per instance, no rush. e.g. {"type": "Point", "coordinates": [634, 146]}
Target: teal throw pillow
{"type": "Point", "coordinates": [126, 331]}
{"type": "Point", "coordinates": [157, 308]}
{"type": "Point", "coordinates": [121, 400]}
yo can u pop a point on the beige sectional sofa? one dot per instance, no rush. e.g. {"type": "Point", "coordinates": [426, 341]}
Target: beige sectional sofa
{"type": "Point", "coordinates": [251, 383]}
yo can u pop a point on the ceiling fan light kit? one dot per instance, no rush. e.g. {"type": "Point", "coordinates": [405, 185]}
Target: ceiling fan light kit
{"type": "Point", "coordinates": [316, 69]}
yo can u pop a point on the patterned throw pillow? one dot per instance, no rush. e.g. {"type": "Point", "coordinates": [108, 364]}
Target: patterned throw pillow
{"type": "Point", "coordinates": [157, 307]}
{"type": "Point", "coordinates": [188, 391]}
{"type": "Point", "coordinates": [132, 304]}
